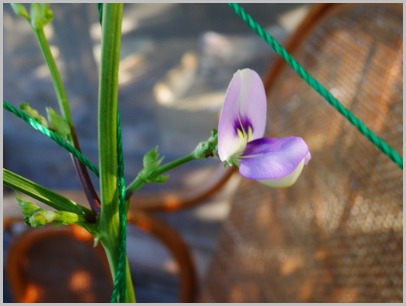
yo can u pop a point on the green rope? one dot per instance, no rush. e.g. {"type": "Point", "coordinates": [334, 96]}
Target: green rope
{"type": "Point", "coordinates": [317, 86]}
{"type": "Point", "coordinates": [59, 140]}
{"type": "Point", "coordinates": [119, 282]}
{"type": "Point", "coordinates": [122, 208]}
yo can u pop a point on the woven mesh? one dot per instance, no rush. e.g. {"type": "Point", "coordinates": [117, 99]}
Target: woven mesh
{"type": "Point", "coordinates": [337, 234]}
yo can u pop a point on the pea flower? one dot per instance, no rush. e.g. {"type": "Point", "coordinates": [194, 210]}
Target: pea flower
{"type": "Point", "coordinates": [276, 162]}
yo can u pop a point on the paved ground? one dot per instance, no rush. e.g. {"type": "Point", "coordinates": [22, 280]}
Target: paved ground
{"type": "Point", "coordinates": [177, 60]}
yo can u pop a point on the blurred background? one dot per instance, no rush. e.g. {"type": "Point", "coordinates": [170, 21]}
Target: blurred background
{"type": "Point", "coordinates": [176, 63]}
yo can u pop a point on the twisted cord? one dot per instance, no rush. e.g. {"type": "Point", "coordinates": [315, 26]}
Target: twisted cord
{"type": "Point", "coordinates": [119, 283]}
{"type": "Point", "coordinates": [318, 87]}
{"type": "Point", "coordinates": [47, 132]}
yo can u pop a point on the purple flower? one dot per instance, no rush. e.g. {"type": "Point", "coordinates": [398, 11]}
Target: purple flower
{"type": "Point", "coordinates": [276, 162]}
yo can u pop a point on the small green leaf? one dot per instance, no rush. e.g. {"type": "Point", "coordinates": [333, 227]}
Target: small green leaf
{"type": "Point", "coordinates": [20, 10]}
{"type": "Point", "coordinates": [151, 160]}
{"type": "Point", "coordinates": [27, 208]}
{"type": "Point", "coordinates": [57, 124]}
{"type": "Point", "coordinates": [41, 15]}
{"type": "Point", "coordinates": [33, 113]}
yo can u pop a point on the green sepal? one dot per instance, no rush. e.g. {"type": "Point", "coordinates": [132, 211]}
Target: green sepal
{"type": "Point", "coordinates": [20, 10]}
{"type": "Point", "coordinates": [40, 14]}
{"type": "Point", "coordinates": [27, 208]}
{"type": "Point", "coordinates": [207, 148]}
{"type": "Point", "coordinates": [43, 217]}
{"type": "Point", "coordinates": [33, 113]}
{"type": "Point", "coordinates": [151, 162]}
{"type": "Point", "coordinates": [57, 124]}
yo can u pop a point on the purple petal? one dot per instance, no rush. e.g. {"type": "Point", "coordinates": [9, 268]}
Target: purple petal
{"type": "Point", "coordinates": [244, 107]}
{"type": "Point", "coordinates": [275, 161]}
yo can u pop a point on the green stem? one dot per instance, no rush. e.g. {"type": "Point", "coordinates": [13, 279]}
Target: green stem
{"type": "Point", "coordinates": [140, 180]}
{"type": "Point", "coordinates": [107, 138]}
{"type": "Point", "coordinates": [56, 78]}
{"type": "Point", "coordinates": [66, 114]}
{"type": "Point", "coordinates": [204, 149]}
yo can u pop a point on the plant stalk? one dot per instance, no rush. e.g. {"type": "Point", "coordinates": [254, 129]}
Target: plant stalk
{"type": "Point", "coordinates": [140, 181]}
{"type": "Point", "coordinates": [107, 139]}
{"type": "Point", "coordinates": [81, 170]}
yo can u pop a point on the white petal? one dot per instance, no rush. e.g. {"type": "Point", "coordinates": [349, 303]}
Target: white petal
{"type": "Point", "coordinates": [286, 181]}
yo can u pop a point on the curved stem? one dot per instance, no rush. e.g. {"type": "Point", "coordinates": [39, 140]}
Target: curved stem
{"type": "Point", "coordinates": [204, 149]}
{"type": "Point", "coordinates": [140, 181]}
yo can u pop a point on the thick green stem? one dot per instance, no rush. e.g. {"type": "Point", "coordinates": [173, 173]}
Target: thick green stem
{"type": "Point", "coordinates": [107, 138]}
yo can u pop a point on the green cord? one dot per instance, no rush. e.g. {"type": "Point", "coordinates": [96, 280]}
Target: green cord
{"type": "Point", "coordinates": [317, 86]}
{"type": "Point", "coordinates": [60, 141]}
{"type": "Point", "coordinates": [122, 209]}
{"type": "Point", "coordinates": [119, 283]}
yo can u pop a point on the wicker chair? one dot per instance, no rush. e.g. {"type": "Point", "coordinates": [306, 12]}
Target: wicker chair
{"type": "Point", "coordinates": [337, 234]}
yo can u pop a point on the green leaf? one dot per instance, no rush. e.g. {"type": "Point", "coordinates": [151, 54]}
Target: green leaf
{"type": "Point", "coordinates": [33, 113]}
{"type": "Point", "coordinates": [58, 124]}
{"type": "Point", "coordinates": [151, 160]}
{"type": "Point", "coordinates": [20, 10]}
{"type": "Point", "coordinates": [42, 194]}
